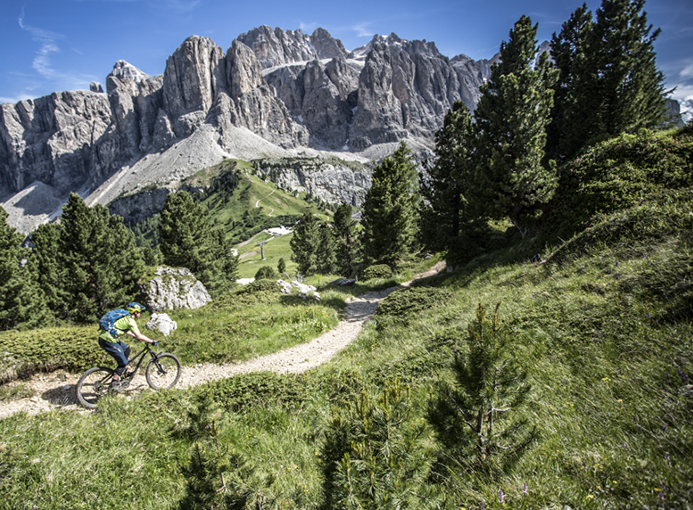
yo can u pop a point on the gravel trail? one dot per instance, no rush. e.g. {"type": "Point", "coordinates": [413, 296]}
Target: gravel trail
{"type": "Point", "coordinates": [57, 390]}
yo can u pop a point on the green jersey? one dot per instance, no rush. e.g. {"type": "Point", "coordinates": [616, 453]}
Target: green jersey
{"type": "Point", "coordinates": [122, 325]}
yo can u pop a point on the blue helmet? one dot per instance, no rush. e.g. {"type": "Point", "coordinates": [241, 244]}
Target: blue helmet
{"type": "Point", "coordinates": [135, 307]}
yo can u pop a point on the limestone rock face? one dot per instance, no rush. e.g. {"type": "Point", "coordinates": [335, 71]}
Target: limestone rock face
{"type": "Point", "coordinates": [172, 289]}
{"type": "Point", "coordinates": [57, 140]}
{"type": "Point", "coordinates": [193, 75]}
{"type": "Point", "coordinates": [330, 181]}
{"type": "Point", "coordinates": [163, 323]}
{"type": "Point", "coordinates": [273, 93]}
{"type": "Point", "coordinates": [250, 103]}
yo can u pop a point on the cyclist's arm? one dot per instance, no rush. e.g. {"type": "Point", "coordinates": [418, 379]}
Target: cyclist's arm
{"type": "Point", "coordinates": [139, 336]}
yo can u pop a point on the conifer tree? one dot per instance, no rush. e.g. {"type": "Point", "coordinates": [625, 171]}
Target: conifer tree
{"type": "Point", "coordinates": [304, 244]}
{"type": "Point", "coordinates": [346, 245]}
{"type": "Point", "coordinates": [511, 117]}
{"type": "Point", "coordinates": [573, 113]}
{"type": "Point", "coordinates": [375, 454]}
{"type": "Point", "coordinates": [326, 258]}
{"type": "Point", "coordinates": [47, 257]}
{"type": "Point", "coordinates": [478, 417]}
{"type": "Point", "coordinates": [448, 179]}
{"type": "Point", "coordinates": [101, 263]}
{"type": "Point", "coordinates": [187, 240]}
{"type": "Point", "coordinates": [22, 303]}
{"type": "Point", "coordinates": [389, 211]}
{"type": "Point", "coordinates": [609, 82]}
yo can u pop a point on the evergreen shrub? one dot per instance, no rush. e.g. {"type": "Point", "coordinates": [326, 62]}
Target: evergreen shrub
{"type": "Point", "coordinates": [259, 389]}
{"type": "Point", "coordinates": [376, 271]}
{"type": "Point", "coordinates": [265, 273]}
{"type": "Point", "coordinates": [45, 350]}
{"type": "Point", "coordinates": [621, 173]}
{"type": "Point", "coordinates": [405, 302]}
{"type": "Point", "coordinates": [260, 286]}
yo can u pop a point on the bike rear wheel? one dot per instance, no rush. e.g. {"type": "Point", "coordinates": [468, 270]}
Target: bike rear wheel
{"type": "Point", "coordinates": [163, 372]}
{"type": "Point", "coordinates": [93, 385]}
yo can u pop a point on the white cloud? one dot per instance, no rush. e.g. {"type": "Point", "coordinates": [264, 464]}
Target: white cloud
{"type": "Point", "coordinates": [682, 92]}
{"type": "Point", "coordinates": [362, 30]}
{"type": "Point", "coordinates": [687, 71]}
{"type": "Point", "coordinates": [47, 39]}
{"type": "Point", "coordinates": [307, 27]}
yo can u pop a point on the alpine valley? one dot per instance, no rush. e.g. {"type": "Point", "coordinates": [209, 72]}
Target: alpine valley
{"type": "Point", "coordinates": [309, 114]}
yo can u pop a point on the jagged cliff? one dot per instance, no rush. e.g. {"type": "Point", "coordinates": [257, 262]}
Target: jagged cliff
{"type": "Point", "coordinates": [272, 94]}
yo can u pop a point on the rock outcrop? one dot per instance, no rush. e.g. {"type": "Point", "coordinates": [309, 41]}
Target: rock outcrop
{"type": "Point", "coordinates": [274, 92]}
{"type": "Point", "coordinates": [163, 323]}
{"type": "Point", "coordinates": [174, 288]}
{"type": "Point", "coordinates": [330, 181]}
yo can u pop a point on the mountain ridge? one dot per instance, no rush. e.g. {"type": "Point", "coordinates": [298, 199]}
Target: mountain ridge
{"type": "Point", "coordinates": [272, 94]}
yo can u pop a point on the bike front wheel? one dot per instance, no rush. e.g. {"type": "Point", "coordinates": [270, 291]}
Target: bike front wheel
{"type": "Point", "coordinates": [163, 372]}
{"type": "Point", "coordinates": [93, 385]}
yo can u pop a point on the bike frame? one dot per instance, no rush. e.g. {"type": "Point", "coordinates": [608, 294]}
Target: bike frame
{"type": "Point", "coordinates": [141, 357]}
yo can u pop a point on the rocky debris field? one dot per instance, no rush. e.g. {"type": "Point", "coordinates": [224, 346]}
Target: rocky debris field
{"type": "Point", "coordinates": [57, 390]}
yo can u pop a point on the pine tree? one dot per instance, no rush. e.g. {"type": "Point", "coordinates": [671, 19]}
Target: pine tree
{"type": "Point", "coordinates": [326, 259]}
{"type": "Point", "coordinates": [22, 303]}
{"type": "Point", "coordinates": [478, 418]}
{"type": "Point", "coordinates": [609, 80]}
{"type": "Point", "coordinates": [346, 244]}
{"type": "Point", "coordinates": [389, 211]}
{"type": "Point", "coordinates": [573, 114]}
{"type": "Point", "coordinates": [447, 180]}
{"type": "Point", "coordinates": [187, 240]}
{"type": "Point", "coordinates": [511, 117]}
{"type": "Point", "coordinates": [101, 263]}
{"type": "Point", "coordinates": [304, 244]}
{"type": "Point", "coordinates": [48, 259]}
{"type": "Point", "coordinates": [376, 454]}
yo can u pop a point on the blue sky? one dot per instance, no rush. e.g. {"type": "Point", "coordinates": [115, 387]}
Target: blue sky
{"type": "Point", "coordinates": [55, 45]}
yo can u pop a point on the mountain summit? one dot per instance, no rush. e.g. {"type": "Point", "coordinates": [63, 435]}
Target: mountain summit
{"type": "Point", "coordinates": [273, 93]}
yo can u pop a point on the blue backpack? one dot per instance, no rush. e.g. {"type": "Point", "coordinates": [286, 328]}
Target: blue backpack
{"type": "Point", "coordinates": [108, 320]}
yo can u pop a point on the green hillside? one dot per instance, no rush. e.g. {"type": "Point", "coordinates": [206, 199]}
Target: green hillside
{"type": "Point", "coordinates": [243, 204]}
{"type": "Point", "coordinates": [587, 381]}
{"type": "Point", "coordinates": [240, 203]}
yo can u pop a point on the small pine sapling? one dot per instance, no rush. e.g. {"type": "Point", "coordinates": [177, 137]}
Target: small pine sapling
{"type": "Point", "coordinates": [477, 417]}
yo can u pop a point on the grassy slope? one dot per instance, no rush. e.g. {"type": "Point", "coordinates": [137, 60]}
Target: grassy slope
{"type": "Point", "coordinates": [263, 201]}
{"type": "Point", "coordinates": [604, 328]}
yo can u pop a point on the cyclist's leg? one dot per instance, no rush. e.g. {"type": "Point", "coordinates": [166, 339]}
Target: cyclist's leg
{"type": "Point", "coordinates": [117, 350]}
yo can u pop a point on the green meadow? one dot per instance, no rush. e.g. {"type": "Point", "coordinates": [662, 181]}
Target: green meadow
{"type": "Point", "coordinates": [594, 310]}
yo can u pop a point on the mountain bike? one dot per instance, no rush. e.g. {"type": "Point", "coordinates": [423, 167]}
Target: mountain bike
{"type": "Point", "coordinates": [162, 372]}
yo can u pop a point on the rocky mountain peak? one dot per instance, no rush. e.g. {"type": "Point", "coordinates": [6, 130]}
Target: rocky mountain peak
{"type": "Point", "coordinates": [125, 71]}
{"type": "Point", "coordinates": [273, 93]}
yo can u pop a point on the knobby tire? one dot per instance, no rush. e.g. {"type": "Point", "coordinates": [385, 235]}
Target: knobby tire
{"type": "Point", "coordinates": [93, 385]}
{"type": "Point", "coordinates": [163, 372]}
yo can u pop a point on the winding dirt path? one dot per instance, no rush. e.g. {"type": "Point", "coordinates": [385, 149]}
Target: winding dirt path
{"type": "Point", "coordinates": [57, 390]}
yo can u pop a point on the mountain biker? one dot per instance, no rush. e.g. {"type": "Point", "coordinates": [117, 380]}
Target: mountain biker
{"type": "Point", "coordinates": [119, 350]}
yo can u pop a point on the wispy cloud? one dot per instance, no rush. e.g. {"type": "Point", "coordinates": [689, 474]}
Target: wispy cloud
{"type": "Point", "coordinates": [307, 27]}
{"type": "Point", "coordinates": [48, 41]}
{"type": "Point", "coordinates": [362, 30]}
{"type": "Point", "coordinates": [43, 62]}
{"type": "Point", "coordinates": [687, 71]}
{"type": "Point", "coordinates": [180, 6]}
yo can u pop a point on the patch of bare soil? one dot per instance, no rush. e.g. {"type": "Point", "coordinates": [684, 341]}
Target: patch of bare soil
{"type": "Point", "coordinates": [57, 390]}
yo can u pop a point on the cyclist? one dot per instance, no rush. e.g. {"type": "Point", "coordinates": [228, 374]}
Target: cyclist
{"type": "Point", "coordinates": [119, 350]}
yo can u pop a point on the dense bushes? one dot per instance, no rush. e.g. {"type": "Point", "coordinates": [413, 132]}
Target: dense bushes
{"type": "Point", "coordinates": [265, 273]}
{"type": "Point", "coordinates": [49, 349]}
{"type": "Point", "coordinates": [376, 271]}
{"type": "Point", "coordinates": [621, 173]}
